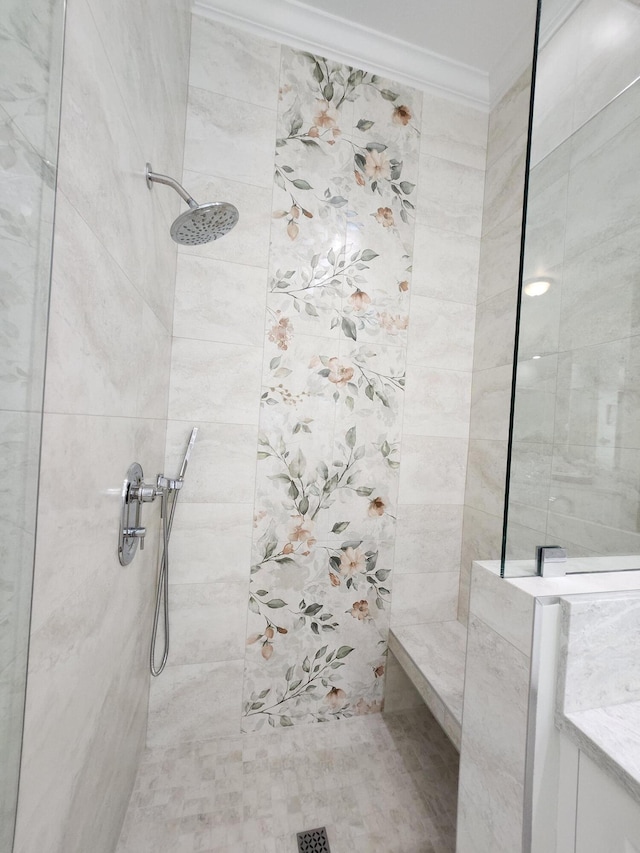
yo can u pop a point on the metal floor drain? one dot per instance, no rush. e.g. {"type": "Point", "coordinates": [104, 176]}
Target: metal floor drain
{"type": "Point", "coordinates": [313, 841]}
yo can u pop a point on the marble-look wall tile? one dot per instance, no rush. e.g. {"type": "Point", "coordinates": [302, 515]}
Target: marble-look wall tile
{"type": "Point", "coordinates": [495, 331]}
{"type": "Point", "coordinates": [437, 402]}
{"type": "Point", "coordinates": [454, 131]}
{"type": "Point", "coordinates": [490, 403]}
{"type": "Point", "coordinates": [421, 597]}
{"type": "Point", "coordinates": [509, 119]}
{"type": "Point", "coordinates": [451, 196]}
{"type": "Point", "coordinates": [211, 542]}
{"type": "Point", "coordinates": [234, 63]}
{"type": "Point", "coordinates": [500, 258]}
{"type": "Point", "coordinates": [214, 382]}
{"type": "Point", "coordinates": [229, 138]}
{"type": "Point", "coordinates": [195, 702]}
{"type": "Point", "coordinates": [441, 334]}
{"type": "Point", "coordinates": [493, 743]}
{"type": "Point", "coordinates": [504, 608]}
{"type": "Point", "coordinates": [504, 186]}
{"type": "Point", "coordinates": [207, 622]}
{"type": "Point", "coordinates": [486, 473]}
{"type": "Point", "coordinates": [481, 540]}
{"type": "Point", "coordinates": [433, 471]}
{"type": "Point", "coordinates": [97, 322]}
{"type": "Point", "coordinates": [428, 538]}
{"type": "Point", "coordinates": [445, 264]}
{"type": "Point", "coordinates": [223, 464]}
{"type": "Point", "coordinates": [219, 301]}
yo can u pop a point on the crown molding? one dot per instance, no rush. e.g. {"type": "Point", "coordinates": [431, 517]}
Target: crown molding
{"type": "Point", "coordinates": [306, 28]}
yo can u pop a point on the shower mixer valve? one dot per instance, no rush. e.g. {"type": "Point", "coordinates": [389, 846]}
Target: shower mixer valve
{"type": "Point", "coordinates": [136, 492]}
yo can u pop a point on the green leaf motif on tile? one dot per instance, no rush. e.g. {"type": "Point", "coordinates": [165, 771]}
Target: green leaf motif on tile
{"type": "Point", "coordinates": [343, 651]}
{"type": "Point", "coordinates": [340, 526]}
{"type": "Point", "coordinates": [350, 437]}
{"type": "Point", "coordinates": [301, 184]}
{"type": "Point", "coordinates": [349, 328]}
{"type": "Point", "coordinates": [276, 603]}
{"type": "Point", "coordinates": [365, 124]}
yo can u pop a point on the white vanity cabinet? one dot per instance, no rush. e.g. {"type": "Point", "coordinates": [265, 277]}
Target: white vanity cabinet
{"type": "Point", "coordinates": [607, 819]}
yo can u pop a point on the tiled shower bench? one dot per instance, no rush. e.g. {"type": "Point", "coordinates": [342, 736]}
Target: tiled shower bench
{"type": "Point", "coordinates": [433, 657]}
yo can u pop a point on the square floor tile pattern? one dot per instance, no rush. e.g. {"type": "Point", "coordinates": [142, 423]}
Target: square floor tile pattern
{"type": "Point", "coordinates": [384, 783]}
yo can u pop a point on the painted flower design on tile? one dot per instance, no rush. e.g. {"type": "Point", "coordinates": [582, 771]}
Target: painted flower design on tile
{"type": "Point", "coordinates": [345, 170]}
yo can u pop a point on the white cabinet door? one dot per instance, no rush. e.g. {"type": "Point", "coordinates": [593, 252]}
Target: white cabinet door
{"type": "Point", "coordinates": [608, 819]}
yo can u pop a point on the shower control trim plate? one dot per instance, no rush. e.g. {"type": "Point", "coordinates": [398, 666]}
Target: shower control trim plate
{"type": "Point", "coordinates": [131, 532]}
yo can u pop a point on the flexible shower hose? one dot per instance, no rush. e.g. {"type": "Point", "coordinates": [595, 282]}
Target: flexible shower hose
{"type": "Point", "coordinates": [167, 510]}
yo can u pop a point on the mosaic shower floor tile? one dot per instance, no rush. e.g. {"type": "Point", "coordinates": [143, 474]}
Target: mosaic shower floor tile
{"type": "Point", "coordinates": [379, 784]}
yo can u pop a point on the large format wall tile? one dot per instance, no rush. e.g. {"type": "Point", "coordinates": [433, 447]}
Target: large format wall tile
{"type": "Point", "coordinates": [234, 63]}
{"type": "Point", "coordinates": [208, 294]}
{"type": "Point", "coordinates": [437, 402]}
{"type": "Point", "coordinates": [105, 407]}
{"type": "Point", "coordinates": [493, 743]}
{"type": "Point", "coordinates": [229, 138]}
{"type": "Point", "coordinates": [428, 538]}
{"type": "Point", "coordinates": [441, 334]}
{"type": "Point", "coordinates": [215, 382]}
{"type": "Point", "coordinates": [445, 264]}
{"type": "Point", "coordinates": [195, 702]}
{"type": "Point", "coordinates": [433, 471]}
{"type": "Point", "coordinates": [452, 197]}
{"type": "Point", "coordinates": [453, 132]}
{"type": "Point", "coordinates": [418, 598]}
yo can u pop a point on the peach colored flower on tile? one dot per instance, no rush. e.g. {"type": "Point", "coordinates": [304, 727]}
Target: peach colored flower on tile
{"type": "Point", "coordinates": [360, 609]}
{"type": "Point", "coordinates": [384, 216]}
{"type": "Point", "coordinates": [376, 507]}
{"type": "Point", "coordinates": [403, 286]}
{"type": "Point", "coordinates": [267, 650]}
{"type": "Point", "coordinates": [293, 230]}
{"type": "Point", "coordinates": [258, 517]}
{"type": "Point", "coordinates": [283, 90]}
{"type": "Point", "coordinates": [393, 323]}
{"type": "Point", "coordinates": [302, 531]}
{"type": "Point", "coordinates": [281, 333]}
{"type": "Point", "coordinates": [360, 300]}
{"type": "Point", "coordinates": [339, 373]}
{"type": "Point", "coordinates": [269, 632]}
{"type": "Point", "coordinates": [326, 115]}
{"type": "Point", "coordinates": [315, 361]}
{"type": "Point", "coordinates": [352, 561]}
{"type": "Point", "coordinates": [378, 671]}
{"type": "Point", "coordinates": [335, 698]}
{"type": "Point", "coordinates": [253, 638]}
{"type": "Point", "coordinates": [402, 115]}
{"type": "Point", "coordinates": [279, 214]}
{"type": "Point", "coordinates": [288, 548]}
{"type": "Point", "coordinates": [361, 707]}
{"type": "Point", "coordinates": [334, 579]}
{"type": "Point", "coordinates": [359, 179]}
{"type": "Point", "coordinates": [377, 166]}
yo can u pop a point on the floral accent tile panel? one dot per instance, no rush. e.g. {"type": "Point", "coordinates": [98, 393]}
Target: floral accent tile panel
{"type": "Point", "coordinates": [345, 174]}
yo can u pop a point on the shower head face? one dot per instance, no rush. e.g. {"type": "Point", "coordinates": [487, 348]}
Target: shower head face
{"type": "Point", "coordinates": [204, 223]}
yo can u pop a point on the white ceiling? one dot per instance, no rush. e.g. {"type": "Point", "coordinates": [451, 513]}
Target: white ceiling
{"type": "Point", "coordinates": [474, 32]}
{"type": "Point", "coordinates": [469, 49]}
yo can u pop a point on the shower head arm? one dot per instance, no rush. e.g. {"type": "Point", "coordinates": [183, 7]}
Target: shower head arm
{"type": "Point", "coordinates": [154, 177]}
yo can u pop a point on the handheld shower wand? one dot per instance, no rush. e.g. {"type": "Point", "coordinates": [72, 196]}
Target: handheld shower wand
{"type": "Point", "coordinates": [169, 491]}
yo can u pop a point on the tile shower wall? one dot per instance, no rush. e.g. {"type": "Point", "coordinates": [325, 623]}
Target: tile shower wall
{"type": "Point", "coordinates": [494, 333]}
{"type": "Point", "coordinates": [305, 335]}
{"type": "Point", "coordinates": [106, 392]}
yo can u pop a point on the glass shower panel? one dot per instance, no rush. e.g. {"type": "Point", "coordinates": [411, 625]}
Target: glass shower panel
{"type": "Point", "coordinates": [31, 38]}
{"type": "Point", "coordinates": [574, 476]}
{"type": "Point", "coordinates": [575, 451]}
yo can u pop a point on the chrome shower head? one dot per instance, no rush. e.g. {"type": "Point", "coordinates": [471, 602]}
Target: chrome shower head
{"type": "Point", "coordinates": [202, 223]}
